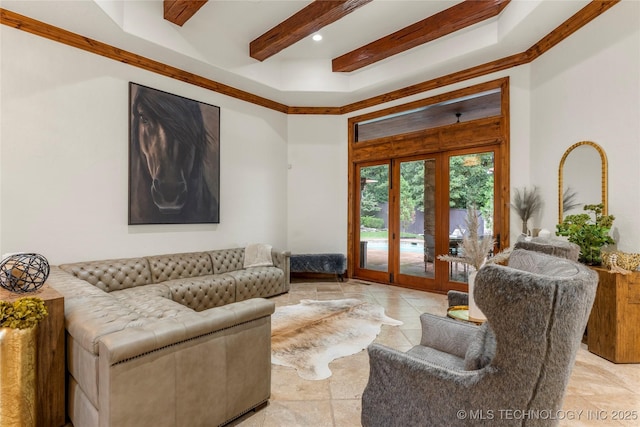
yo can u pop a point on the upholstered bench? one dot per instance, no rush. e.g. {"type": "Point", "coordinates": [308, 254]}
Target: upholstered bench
{"type": "Point", "coordinates": [319, 263]}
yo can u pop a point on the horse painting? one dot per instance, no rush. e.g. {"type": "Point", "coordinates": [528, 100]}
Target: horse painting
{"type": "Point", "coordinates": [174, 160]}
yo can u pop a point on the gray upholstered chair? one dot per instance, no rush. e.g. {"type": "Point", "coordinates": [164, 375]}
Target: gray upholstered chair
{"type": "Point", "coordinates": [555, 247]}
{"type": "Point", "coordinates": [517, 364]}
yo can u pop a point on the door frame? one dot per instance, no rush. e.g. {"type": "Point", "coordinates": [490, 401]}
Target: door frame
{"type": "Point", "coordinates": [490, 131]}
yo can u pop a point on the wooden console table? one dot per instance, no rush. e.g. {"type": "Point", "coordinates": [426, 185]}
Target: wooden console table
{"type": "Point", "coordinates": [613, 331]}
{"type": "Point", "coordinates": [50, 366]}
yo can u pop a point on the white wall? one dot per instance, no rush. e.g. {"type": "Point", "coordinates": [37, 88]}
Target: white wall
{"type": "Point", "coordinates": [317, 184]}
{"type": "Point", "coordinates": [64, 163]}
{"type": "Point", "coordinates": [588, 88]}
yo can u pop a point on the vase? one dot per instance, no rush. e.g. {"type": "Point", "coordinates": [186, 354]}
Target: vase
{"type": "Point", "coordinates": [474, 311]}
{"type": "Point", "coordinates": [17, 377]}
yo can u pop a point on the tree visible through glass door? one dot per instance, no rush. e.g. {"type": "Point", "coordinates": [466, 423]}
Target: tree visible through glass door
{"type": "Point", "coordinates": [471, 182]}
{"type": "Point", "coordinates": [374, 218]}
{"type": "Point", "coordinates": [417, 218]}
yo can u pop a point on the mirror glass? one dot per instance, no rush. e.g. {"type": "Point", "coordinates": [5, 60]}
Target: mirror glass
{"type": "Point", "coordinates": [583, 178]}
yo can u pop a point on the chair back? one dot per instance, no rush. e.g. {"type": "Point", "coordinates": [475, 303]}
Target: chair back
{"type": "Point", "coordinates": [537, 306]}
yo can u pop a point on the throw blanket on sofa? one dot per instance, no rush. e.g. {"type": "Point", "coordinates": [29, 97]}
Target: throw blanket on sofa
{"type": "Point", "coordinates": [257, 255]}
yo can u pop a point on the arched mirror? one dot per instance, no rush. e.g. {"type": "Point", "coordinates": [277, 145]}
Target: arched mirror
{"type": "Point", "coordinates": [582, 179]}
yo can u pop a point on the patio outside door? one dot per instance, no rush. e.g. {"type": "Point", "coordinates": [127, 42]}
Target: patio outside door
{"type": "Point", "coordinates": [411, 210]}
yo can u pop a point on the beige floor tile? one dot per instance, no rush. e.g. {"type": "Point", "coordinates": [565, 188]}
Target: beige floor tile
{"type": "Point", "coordinates": [348, 383]}
{"type": "Point", "coordinates": [287, 385]}
{"type": "Point", "coordinates": [296, 297]}
{"type": "Point", "coordinates": [393, 337]}
{"type": "Point", "coordinates": [328, 287]}
{"type": "Point", "coordinates": [310, 413]}
{"type": "Point", "coordinates": [352, 286]}
{"type": "Point", "coordinates": [412, 335]}
{"type": "Point", "coordinates": [346, 413]}
{"type": "Point", "coordinates": [326, 296]}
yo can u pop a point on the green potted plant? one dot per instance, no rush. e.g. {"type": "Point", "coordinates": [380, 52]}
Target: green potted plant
{"type": "Point", "coordinates": [589, 231]}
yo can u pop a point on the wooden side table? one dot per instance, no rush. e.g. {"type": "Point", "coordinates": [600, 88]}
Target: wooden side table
{"type": "Point", "coordinates": [50, 366]}
{"type": "Point", "coordinates": [613, 331]}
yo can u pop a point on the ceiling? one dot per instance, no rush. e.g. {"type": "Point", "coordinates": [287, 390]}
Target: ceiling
{"type": "Point", "coordinates": [215, 41]}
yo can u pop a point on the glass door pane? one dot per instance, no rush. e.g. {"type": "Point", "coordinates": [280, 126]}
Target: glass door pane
{"type": "Point", "coordinates": [471, 182]}
{"type": "Point", "coordinates": [374, 218]}
{"type": "Point", "coordinates": [417, 218]}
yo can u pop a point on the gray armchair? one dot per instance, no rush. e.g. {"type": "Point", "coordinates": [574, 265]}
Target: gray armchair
{"type": "Point", "coordinates": [518, 362]}
{"type": "Point", "coordinates": [555, 247]}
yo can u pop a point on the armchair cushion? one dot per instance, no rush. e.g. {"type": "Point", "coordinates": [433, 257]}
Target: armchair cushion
{"type": "Point", "coordinates": [446, 335]}
{"type": "Point", "coordinates": [481, 349]}
{"type": "Point", "coordinates": [437, 357]}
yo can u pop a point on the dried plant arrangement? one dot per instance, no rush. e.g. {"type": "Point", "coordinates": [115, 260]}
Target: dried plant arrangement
{"type": "Point", "coordinates": [527, 203]}
{"type": "Point", "coordinates": [474, 250]}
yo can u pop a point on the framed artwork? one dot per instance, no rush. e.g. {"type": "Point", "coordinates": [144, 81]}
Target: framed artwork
{"type": "Point", "coordinates": [174, 159]}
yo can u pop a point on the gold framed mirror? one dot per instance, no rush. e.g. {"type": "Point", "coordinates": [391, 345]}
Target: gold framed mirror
{"type": "Point", "coordinates": [582, 178]}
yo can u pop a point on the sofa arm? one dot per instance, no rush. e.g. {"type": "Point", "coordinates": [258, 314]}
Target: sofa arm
{"type": "Point", "coordinates": [132, 342]}
{"type": "Point", "coordinates": [282, 260]}
{"type": "Point", "coordinates": [447, 335]}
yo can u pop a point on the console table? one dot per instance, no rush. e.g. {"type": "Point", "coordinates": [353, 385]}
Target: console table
{"type": "Point", "coordinates": [613, 331]}
{"type": "Point", "coordinates": [50, 363]}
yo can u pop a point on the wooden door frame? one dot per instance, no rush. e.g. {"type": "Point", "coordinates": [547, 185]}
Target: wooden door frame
{"type": "Point", "coordinates": [374, 275]}
{"type": "Point", "coordinates": [489, 131]}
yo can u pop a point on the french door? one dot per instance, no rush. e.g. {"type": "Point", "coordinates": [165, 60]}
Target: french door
{"type": "Point", "coordinates": [413, 209]}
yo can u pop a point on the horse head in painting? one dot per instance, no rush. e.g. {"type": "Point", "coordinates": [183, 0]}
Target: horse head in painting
{"type": "Point", "coordinates": [169, 149]}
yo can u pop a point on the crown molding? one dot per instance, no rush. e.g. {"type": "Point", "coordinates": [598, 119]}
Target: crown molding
{"type": "Point", "coordinates": [564, 30]}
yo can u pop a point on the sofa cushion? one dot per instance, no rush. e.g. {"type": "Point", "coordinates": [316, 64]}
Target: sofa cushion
{"type": "Point", "coordinates": [481, 349]}
{"type": "Point", "coordinates": [179, 266]}
{"type": "Point", "coordinates": [257, 282]}
{"type": "Point", "coordinates": [156, 303]}
{"type": "Point", "coordinates": [201, 293]}
{"type": "Point", "coordinates": [157, 289]}
{"type": "Point", "coordinates": [226, 260]}
{"type": "Point", "coordinates": [112, 275]}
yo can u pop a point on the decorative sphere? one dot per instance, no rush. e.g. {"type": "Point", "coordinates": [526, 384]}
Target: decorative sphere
{"type": "Point", "coordinates": [23, 272]}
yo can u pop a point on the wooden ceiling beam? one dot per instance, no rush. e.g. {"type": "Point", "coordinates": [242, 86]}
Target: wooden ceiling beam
{"type": "Point", "coordinates": [305, 22]}
{"type": "Point", "coordinates": [179, 11]}
{"type": "Point", "coordinates": [450, 20]}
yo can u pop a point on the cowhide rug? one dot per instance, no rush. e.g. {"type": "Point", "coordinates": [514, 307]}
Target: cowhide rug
{"type": "Point", "coordinates": [309, 335]}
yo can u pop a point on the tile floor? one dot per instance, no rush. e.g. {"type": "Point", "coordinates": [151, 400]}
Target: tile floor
{"type": "Point", "coordinates": [598, 390]}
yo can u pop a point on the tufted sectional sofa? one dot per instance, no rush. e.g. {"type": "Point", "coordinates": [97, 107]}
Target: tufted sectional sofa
{"type": "Point", "coordinates": [168, 340]}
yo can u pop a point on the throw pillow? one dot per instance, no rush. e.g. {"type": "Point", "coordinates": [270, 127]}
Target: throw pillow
{"type": "Point", "coordinates": [257, 255]}
{"type": "Point", "coordinates": [481, 349]}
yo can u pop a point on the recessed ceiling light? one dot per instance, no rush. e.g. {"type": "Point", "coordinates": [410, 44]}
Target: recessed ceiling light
{"type": "Point", "coordinates": [317, 37]}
